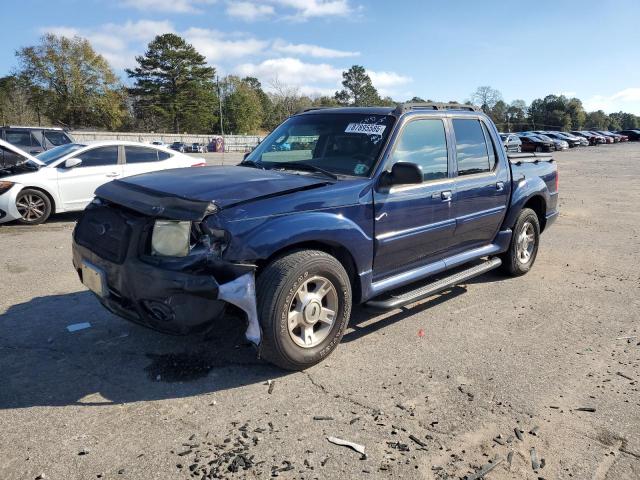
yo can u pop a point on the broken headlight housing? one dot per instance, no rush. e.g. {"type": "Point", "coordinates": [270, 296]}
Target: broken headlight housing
{"type": "Point", "coordinates": [174, 238]}
{"type": "Point", "coordinates": [171, 238]}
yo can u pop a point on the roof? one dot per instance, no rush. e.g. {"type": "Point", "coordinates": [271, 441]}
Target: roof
{"type": "Point", "coordinates": [397, 110]}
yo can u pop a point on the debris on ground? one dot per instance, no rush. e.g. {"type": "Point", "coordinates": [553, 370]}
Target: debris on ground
{"type": "Point", "coordinates": [271, 384]}
{"type": "Point", "coordinates": [74, 327]}
{"type": "Point", "coordinates": [624, 376]}
{"type": "Point", "coordinates": [534, 431]}
{"type": "Point", "coordinates": [346, 443]}
{"type": "Point", "coordinates": [518, 433]}
{"type": "Point", "coordinates": [322, 417]}
{"type": "Point", "coordinates": [418, 441]}
{"type": "Point", "coordinates": [509, 460]}
{"type": "Point", "coordinates": [535, 464]}
{"type": "Point", "coordinates": [403, 447]}
{"type": "Point", "coordinates": [585, 409]}
{"type": "Point", "coordinates": [485, 468]}
{"type": "Point", "coordinates": [421, 333]}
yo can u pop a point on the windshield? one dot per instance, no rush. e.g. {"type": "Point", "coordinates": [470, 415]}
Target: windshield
{"type": "Point", "coordinates": [50, 156]}
{"type": "Point", "coordinates": [340, 143]}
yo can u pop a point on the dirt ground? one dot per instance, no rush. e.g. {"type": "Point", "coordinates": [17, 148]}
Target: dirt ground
{"type": "Point", "coordinates": [499, 357]}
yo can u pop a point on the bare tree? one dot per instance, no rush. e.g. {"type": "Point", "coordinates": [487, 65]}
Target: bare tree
{"type": "Point", "coordinates": [486, 97]}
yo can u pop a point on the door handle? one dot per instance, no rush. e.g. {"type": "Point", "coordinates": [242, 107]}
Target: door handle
{"type": "Point", "coordinates": [446, 195]}
{"type": "Point", "coordinates": [500, 186]}
{"type": "Point", "coordinates": [112, 174]}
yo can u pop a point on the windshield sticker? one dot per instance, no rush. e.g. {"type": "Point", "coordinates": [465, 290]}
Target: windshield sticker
{"type": "Point", "coordinates": [366, 128]}
{"type": "Point", "coordinates": [360, 169]}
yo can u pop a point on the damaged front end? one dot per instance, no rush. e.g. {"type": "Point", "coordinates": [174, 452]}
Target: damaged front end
{"type": "Point", "coordinates": [164, 273]}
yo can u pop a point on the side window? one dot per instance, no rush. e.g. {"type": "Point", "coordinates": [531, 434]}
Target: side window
{"type": "Point", "coordinates": [8, 158]}
{"type": "Point", "coordinates": [19, 138]}
{"type": "Point", "coordinates": [163, 155]}
{"type": "Point", "coordinates": [141, 154]}
{"type": "Point", "coordinates": [99, 156]}
{"type": "Point", "coordinates": [423, 142]}
{"type": "Point", "coordinates": [471, 147]}
{"type": "Point", "coordinates": [56, 138]}
{"type": "Point", "coordinates": [490, 147]}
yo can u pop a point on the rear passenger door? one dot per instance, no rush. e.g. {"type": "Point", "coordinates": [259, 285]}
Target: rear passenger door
{"type": "Point", "coordinates": [414, 223]}
{"type": "Point", "coordinates": [139, 159]}
{"type": "Point", "coordinates": [482, 185]}
{"type": "Point", "coordinates": [24, 140]}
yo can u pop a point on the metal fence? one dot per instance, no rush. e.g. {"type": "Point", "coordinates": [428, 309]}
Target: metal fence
{"type": "Point", "coordinates": [232, 143]}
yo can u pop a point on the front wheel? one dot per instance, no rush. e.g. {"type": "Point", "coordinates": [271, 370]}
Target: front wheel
{"type": "Point", "coordinates": [523, 249]}
{"type": "Point", "coordinates": [33, 206]}
{"type": "Point", "coordinates": [304, 303]}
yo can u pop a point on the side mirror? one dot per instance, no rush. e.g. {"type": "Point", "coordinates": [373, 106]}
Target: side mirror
{"type": "Point", "coordinates": [405, 173]}
{"type": "Point", "coordinates": [72, 162]}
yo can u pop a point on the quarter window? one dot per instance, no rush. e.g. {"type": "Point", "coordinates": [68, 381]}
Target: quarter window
{"type": "Point", "coordinates": [423, 142]}
{"type": "Point", "coordinates": [99, 156]}
{"type": "Point", "coordinates": [471, 148]}
{"type": "Point", "coordinates": [19, 138]}
{"type": "Point", "coordinates": [141, 154]}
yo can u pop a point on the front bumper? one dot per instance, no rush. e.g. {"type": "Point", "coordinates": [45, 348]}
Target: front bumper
{"type": "Point", "coordinates": [175, 297]}
{"type": "Point", "coordinates": [8, 210]}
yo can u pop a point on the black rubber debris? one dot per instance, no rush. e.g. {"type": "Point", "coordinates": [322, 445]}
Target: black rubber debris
{"type": "Point", "coordinates": [485, 469]}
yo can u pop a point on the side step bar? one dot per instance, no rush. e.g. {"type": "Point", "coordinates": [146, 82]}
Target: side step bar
{"type": "Point", "coordinates": [395, 301]}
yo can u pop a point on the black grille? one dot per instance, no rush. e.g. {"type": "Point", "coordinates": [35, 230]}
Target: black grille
{"type": "Point", "coordinates": [104, 231]}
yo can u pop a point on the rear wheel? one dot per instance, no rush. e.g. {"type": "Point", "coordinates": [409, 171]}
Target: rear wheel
{"type": "Point", "coordinates": [34, 207]}
{"type": "Point", "coordinates": [523, 249]}
{"type": "Point", "coordinates": [304, 304]}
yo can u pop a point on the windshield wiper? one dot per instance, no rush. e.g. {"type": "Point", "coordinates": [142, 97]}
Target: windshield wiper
{"type": "Point", "coordinates": [251, 163]}
{"type": "Point", "coordinates": [302, 166]}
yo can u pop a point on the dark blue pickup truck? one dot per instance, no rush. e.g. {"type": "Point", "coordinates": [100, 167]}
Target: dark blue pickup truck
{"type": "Point", "coordinates": [338, 206]}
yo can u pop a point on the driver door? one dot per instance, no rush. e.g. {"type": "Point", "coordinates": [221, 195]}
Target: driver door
{"type": "Point", "coordinates": [414, 224]}
{"type": "Point", "coordinates": [76, 186]}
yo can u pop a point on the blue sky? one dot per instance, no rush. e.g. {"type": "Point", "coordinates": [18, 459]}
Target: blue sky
{"type": "Point", "coordinates": [441, 50]}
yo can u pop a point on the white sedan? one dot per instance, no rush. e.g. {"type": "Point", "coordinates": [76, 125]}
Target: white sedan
{"type": "Point", "coordinates": [64, 178]}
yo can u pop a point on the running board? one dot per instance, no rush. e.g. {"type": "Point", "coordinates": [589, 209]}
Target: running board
{"type": "Point", "coordinates": [395, 301]}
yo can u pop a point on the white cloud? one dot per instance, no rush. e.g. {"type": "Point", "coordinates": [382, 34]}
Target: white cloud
{"type": "Point", "coordinates": [305, 9]}
{"type": "Point", "coordinates": [291, 71]}
{"type": "Point", "coordinates": [388, 83]}
{"type": "Point", "coordinates": [216, 45]}
{"type": "Point", "coordinates": [249, 11]}
{"type": "Point", "coordinates": [172, 6]}
{"type": "Point", "coordinates": [305, 49]}
{"type": "Point", "coordinates": [627, 100]}
{"type": "Point", "coordinates": [113, 41]}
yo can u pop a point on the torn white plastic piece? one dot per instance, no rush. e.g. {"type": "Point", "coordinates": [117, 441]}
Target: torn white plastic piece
{"type": "Point", "coordinates": [346, 443]}
{"type": "Point", "coordinates": [241, 292]}
{"type": "Point", "coordinates": [78, 326]}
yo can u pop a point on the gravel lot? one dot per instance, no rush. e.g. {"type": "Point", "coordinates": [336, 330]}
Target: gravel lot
{"type": "Point", "coordinates": [117, 401]}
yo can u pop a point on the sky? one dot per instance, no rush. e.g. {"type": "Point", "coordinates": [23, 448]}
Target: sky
{"type": "Point", "coordinates": [436, 49]}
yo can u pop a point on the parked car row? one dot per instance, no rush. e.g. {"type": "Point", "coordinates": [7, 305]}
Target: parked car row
{"type": "Point", "coordinates": [548, 141]}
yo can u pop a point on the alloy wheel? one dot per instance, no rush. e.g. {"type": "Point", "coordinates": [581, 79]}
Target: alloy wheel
{"type": "Point", "coordinates": [312, 312]}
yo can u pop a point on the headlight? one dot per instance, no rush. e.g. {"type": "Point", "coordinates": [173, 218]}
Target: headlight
{"type": "Point", "coordinates": [5, 186]}
{"type": "Point", "coordinates": [170, 238]}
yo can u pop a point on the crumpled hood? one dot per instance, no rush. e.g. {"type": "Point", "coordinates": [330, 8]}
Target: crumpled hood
{"type": "Point", "coordinates": [186, 193]}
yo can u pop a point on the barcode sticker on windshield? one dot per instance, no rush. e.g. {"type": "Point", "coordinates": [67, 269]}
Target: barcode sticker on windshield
{"type": "Point", "coordinates": [367, 128]}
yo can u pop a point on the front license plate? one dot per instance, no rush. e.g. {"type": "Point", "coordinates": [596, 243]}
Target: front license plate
{"type": "Point", "coordinates": [95, 279]}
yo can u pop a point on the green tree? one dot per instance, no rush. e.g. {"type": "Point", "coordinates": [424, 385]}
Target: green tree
{"type": "Point", "coordinates": [516, 116]}
{"type": "Point", "coordinates": [625, 120]}
{"type": "Point", "coordinates": [243, 112]}
{"type": "Point", "coordinates": [357, 88]}
{"type": "Point", "coordinates": [71, 84]}
{"type": "Point", "coordinates": [498, 114]}
{"type": "Point", "coordinates": [597, 120]}
{"type": "Point", "coordinates": [174, 84]}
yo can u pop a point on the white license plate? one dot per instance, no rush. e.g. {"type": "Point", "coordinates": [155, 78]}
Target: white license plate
{"type": "Point", "coordinates": [95, 279]}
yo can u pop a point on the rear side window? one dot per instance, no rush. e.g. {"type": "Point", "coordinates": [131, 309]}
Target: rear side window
{"type": "Point", "coordinates": [99, 156]}
{"type": "Point", "coordinates": [423, 142]}
{"type": "Point", "coordinates": [491, 148]}
{"type": "Point", "coordinates": [19, 138]}
{"type": "Point", "coordinates": [471, 147]}
{"type": "Point", "coordinates": [141, 154]}
{"type": "Point", "coordinates": [56, 138]}
{"type": "Point", "coordinates": [163, 155]}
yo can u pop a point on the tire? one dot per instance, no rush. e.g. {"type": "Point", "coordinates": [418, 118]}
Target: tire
{"type": "Point", "coordinates": [522, 253]}
{"type": "Point", "coordinates": [288, 307]}
{"type": "Point", "coordinates": [34, 206]}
